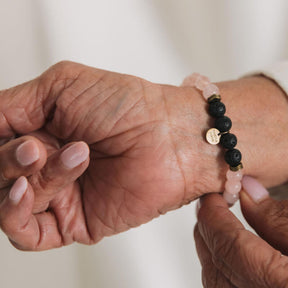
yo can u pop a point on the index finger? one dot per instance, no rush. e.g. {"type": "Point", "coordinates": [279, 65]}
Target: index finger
{"type": "Point", "coordinates": [27, 107]}
{"type": "Point", "coordinates": [245, 259]}
{"type": "Point", "coordinates": [22, 156]}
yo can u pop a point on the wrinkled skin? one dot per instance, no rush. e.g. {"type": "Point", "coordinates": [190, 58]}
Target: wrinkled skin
{"type": "Point", "coordinates": [134, 174]}
{"type": "Point", "coordinates": [232, 256]}
{"type": "Point", "coordinates": [147, 154]}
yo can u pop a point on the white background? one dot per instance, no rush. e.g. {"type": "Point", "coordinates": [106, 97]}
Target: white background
{"type": "Point", "coordinates": [162, 41]}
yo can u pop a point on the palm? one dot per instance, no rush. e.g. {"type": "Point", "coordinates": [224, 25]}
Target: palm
{"type": "Point", "coordinates": [116, 193]}
{"type": "Point", "coordinates": [124, 191]}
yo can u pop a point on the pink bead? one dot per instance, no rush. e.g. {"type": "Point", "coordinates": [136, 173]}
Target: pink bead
{"type": "Point", "coordinates": [234, 175]}
{"type": "Point", "coordinates": [202, 82]}
{"type": "Point", "coordinates": [210, 90]}
{"type": "Point", "coordinates": [230, 198]}
{"type": "Point", "coordinates": [233, 187]}
{"type": "Point", "coordinates": [191, 80]}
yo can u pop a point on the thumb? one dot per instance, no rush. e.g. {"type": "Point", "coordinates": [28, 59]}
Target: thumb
{"type": "Point", "coordinates": [268, 217]}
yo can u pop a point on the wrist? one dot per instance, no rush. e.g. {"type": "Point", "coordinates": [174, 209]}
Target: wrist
{"type": "Point", "coordinates": [258, 109]}
{"type": "Point", "coordinates": [202, 165]}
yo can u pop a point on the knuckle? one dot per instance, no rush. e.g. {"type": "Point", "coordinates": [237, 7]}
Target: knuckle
{"type": "Point", "coordinates": [133, 83]}
{"type": "Point", "coordinates": [63, 65]}
{"type": "Point", "coordinates": [226, 251]}
{"type": "Point", "coordinates": [10, 167]}
{"type": "Point", "coordinates": [39, 181]}
{"type": "Point", "coordinates": [224, 246]}
{"type": "Point", "coordinates": [5, 180]}
{"type": "Point", "coordinates": [58, 72]}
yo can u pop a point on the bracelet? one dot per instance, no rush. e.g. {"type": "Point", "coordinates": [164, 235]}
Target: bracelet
{"type": "Point", "coordinates": [221, 134]}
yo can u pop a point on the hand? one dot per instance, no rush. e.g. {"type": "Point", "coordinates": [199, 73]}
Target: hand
{"type": "Point", "coordinates": [26, 215]}
{"type": "Point", "coordinates": [147, 154]}
{"type": "Point", "coordinates": [230, 255]}
{"type": "Point", "coordinates": [133, 174]}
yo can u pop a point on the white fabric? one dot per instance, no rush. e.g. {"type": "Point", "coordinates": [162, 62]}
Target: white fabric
{"type": "Point", "coordinates": [277, 72]}
{"type": "Point", "coordinates": [162, 41]}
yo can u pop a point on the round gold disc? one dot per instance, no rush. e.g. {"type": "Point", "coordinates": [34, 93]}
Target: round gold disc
{"type": "Point", "coordinates": [213, 136]}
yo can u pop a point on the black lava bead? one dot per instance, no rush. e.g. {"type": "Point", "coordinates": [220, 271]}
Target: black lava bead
{"type": "Point", "coordinates": [223, 124]}
{"type": "Point", "coordinates": [233, 157]}
{"type": "Point", "coordinates": [217, 109]}
{"type": "Point", "coordinates": [228, 140]}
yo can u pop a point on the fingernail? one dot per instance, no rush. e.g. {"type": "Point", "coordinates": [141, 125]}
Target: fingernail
{"type": "Point", "coordinates": [27, 153]}
{"type": "Point", "coordinates": [18, 189]}
{"type": "Point", "coordinates": [255, 189]}
{"type": "Point", "coordinates": [75, 155]}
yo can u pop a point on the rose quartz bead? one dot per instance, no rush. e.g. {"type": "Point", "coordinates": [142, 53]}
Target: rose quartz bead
{"type": "Point", "coordinates": [202, 82]}
{"type": "Point", "coordinates": [210, 90]}
{"type": "Point", "coordinates": [230, 198]}
{"type": "Point", "coordinates": [234, 175]}
{"type": "Point", "coordinates": [191, 80]}
{"type": "Point", "coordinates": [233, 187]}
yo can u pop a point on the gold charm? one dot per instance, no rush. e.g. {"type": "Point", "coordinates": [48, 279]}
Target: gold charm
{"type": "Point", "coordinates": [213, 136]}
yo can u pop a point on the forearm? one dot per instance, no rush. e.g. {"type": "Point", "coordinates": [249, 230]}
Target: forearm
{"type": "Point", "coordinates": [258, 109]}
{"type": "Point", "coordinates": [130, 114]}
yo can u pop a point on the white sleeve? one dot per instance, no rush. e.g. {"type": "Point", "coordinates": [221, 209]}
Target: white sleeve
{"type": "Point", "coordinates": [278, 72]}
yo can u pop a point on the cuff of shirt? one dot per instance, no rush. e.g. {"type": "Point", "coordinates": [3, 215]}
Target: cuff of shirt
{"type": "Point", "coordinates": [278, 72]}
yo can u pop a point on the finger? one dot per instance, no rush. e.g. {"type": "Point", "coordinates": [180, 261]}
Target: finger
{"type": "Point", "coordinates": [268, 217]}
{"type": "Point", "coordinates": [211, 276]}
{"type": "Point", "coordinates": [62, 168]}
{"type": "Point", "coordinates": [245, 259]}
{"type": "Point", "coordinates": [20, 157]}
{"type": "Point", "coordinates": [27, 107]}
{"type": "Point", "coordinates": [26, 231]}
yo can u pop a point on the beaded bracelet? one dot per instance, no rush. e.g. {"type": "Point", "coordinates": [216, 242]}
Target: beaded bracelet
{"type": "Point", "coordinates": [220, 134]}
